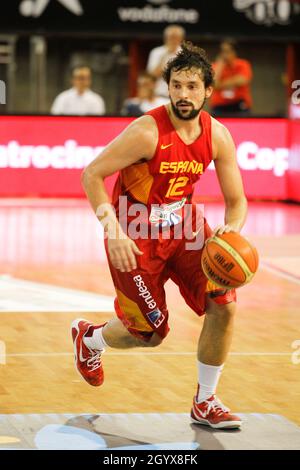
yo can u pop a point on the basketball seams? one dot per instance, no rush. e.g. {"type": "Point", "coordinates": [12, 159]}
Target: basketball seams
{"type": "Point", "coordinates": [255, 256]}
{"type": "Point", "coordinates": [254, 253]}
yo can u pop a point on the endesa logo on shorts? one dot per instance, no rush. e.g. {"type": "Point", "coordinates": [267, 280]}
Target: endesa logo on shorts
{"type": "Point", "coordinates": [144, 291]}
{"type": "Point", "coordinates": [156, 317]}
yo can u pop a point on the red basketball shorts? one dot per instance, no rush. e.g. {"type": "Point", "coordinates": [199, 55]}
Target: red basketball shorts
{"type": "Point", "coordinates": [141, 302]}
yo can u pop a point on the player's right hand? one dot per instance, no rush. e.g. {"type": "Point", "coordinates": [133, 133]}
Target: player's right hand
{"type": "Point", "coordinates": [122, 253]}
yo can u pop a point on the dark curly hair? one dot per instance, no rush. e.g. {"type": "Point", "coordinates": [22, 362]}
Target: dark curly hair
{"type": "Point", "coordinates": [190, 56]}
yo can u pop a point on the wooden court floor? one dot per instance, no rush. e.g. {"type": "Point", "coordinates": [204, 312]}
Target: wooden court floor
{"type": "Point", "coordinates": [262, 374]}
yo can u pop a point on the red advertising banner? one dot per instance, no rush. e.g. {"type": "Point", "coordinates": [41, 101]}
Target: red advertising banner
{"type": "Point", "coordinates": [293, 175]}
{"type": "Point", "coordinates": [44, 155]}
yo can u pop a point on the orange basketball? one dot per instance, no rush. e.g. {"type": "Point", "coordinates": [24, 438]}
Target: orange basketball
{"type": "Point", "coordinates": [229, 260]}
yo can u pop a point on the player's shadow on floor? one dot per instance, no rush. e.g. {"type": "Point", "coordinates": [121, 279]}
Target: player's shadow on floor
{"type": "Point", "coordinates": [207, 437]}
{"type": "Point", "coordinates": [114, 438]}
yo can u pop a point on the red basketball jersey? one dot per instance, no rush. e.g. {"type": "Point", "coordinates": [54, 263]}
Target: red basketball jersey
{"type": "Point", "coordinates": [168, 178]}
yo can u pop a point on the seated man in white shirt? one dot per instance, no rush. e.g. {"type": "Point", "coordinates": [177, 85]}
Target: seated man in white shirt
{"type": "Point", "coordinates": [146, 98]}
{"type": "Point", "coordinates": [79, 99]}
{"type": "Point", "coordinates": [159, 56]}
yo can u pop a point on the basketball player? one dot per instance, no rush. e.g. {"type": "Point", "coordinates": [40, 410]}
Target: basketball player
{"type": "Point", "coordinates": [160, 156]}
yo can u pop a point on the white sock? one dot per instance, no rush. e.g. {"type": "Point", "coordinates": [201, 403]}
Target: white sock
{"type": "Point", "coordinates": [208, 378]}
{"type": "Point", "coordinates": [96, 341]}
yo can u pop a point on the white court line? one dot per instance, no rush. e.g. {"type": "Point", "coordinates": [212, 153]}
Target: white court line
{"type": "Point", "coordinates": [279, 272]}
{"type": "Point", "coordinates": [21, 296]}
{"type": "Point", "coordinates": [163, 353]}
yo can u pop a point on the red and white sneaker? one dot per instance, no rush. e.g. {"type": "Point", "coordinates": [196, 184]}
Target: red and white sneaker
{"type": "Point", "coordinates": [213, 413]}
{"type": "Point", "coordinates": [88, 361]}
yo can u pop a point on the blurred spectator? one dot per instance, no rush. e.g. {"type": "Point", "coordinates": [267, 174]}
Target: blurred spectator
{"type": "Point", "coordinates": [232, 83]}
{"type": "Point", "coordinates": [79, 99]}
{"type": "Point", "coordinates": [159, 56]}
{"type": "Point", "coordinates": [146, 98]}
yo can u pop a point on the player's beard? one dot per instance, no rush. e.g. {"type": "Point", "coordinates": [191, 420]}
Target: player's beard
{"type": "Point", "coordinates": [194, 112]}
